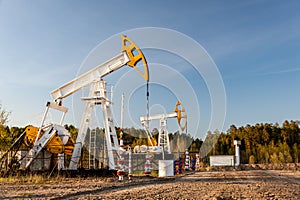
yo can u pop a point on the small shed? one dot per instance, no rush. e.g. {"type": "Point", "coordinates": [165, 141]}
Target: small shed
{"type": "Point", "coordinates": [221, 160]}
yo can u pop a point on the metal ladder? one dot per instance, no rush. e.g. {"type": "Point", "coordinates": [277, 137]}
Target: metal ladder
{"type": "Point", "coordinates": [92, 149]}
{"type": "Point", "coordinates": [163, 137]}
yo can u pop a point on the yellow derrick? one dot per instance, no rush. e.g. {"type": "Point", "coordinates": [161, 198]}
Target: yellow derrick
{"type": "Point", "coordinates": [54, 145]}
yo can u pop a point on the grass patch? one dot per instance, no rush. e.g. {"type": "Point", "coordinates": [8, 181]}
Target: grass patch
{"type": "Point", "coordinates": [29, 179]}
{"type": "Point", "coordinates": [154, 173]}
{"type": "Point", "coordinates": [34, 179]}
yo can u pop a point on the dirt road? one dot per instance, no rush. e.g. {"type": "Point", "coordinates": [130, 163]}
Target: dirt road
{"type": "Point", "coordinates": [253, 184]}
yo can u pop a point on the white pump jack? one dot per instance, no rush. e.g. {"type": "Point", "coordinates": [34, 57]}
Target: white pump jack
{"type": "Point", "coordinates": [130, 56]}
{"type": "Point", "coordinates": [163, 135]}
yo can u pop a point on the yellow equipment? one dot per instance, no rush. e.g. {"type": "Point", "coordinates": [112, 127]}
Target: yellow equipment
{"type": "Point", "coordinates": [54, 145]}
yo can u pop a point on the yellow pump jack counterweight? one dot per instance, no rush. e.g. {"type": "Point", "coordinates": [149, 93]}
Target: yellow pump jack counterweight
{"type": "Point", "coordinates": [54, 145]}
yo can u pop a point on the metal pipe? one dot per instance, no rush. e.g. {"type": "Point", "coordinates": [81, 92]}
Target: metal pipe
{"type": "Point", "coordinates": [43, 121]}
{"type": "Point", "coordinates": [129, 164]}
{"type": "Point", "coordinates": [237, 152]}
{"type": "Point", "coordinates": [122, 112]}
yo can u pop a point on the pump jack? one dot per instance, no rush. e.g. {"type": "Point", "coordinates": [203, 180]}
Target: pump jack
{"type": "Point", "coordinates": [163, 138]}
{"type": "Point", "coordinates": [46, 134]}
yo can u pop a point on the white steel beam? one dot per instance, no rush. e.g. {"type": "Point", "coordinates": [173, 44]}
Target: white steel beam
{"type": "Point", "coordinates": [158, 117]}
{"type": "Point", "coordinates": [93, 75]}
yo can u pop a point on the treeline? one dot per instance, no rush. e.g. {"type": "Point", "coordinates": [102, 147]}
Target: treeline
{"type": "Point", "coordinates": [131, 136]}
{"type": "Point", "coordinates": [261, 143]}
{"type": "Point", "coordinates": [8, 136]}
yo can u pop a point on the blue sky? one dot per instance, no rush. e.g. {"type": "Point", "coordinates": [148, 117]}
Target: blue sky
{"type": "Point", "coordinates": [254, 44]}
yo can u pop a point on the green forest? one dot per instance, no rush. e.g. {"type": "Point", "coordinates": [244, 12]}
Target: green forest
{"type": "Point", "coordinates": [260, 143]}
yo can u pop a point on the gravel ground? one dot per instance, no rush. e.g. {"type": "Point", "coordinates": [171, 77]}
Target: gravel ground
{"type": "Point", "coordinates": [252, 184]}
